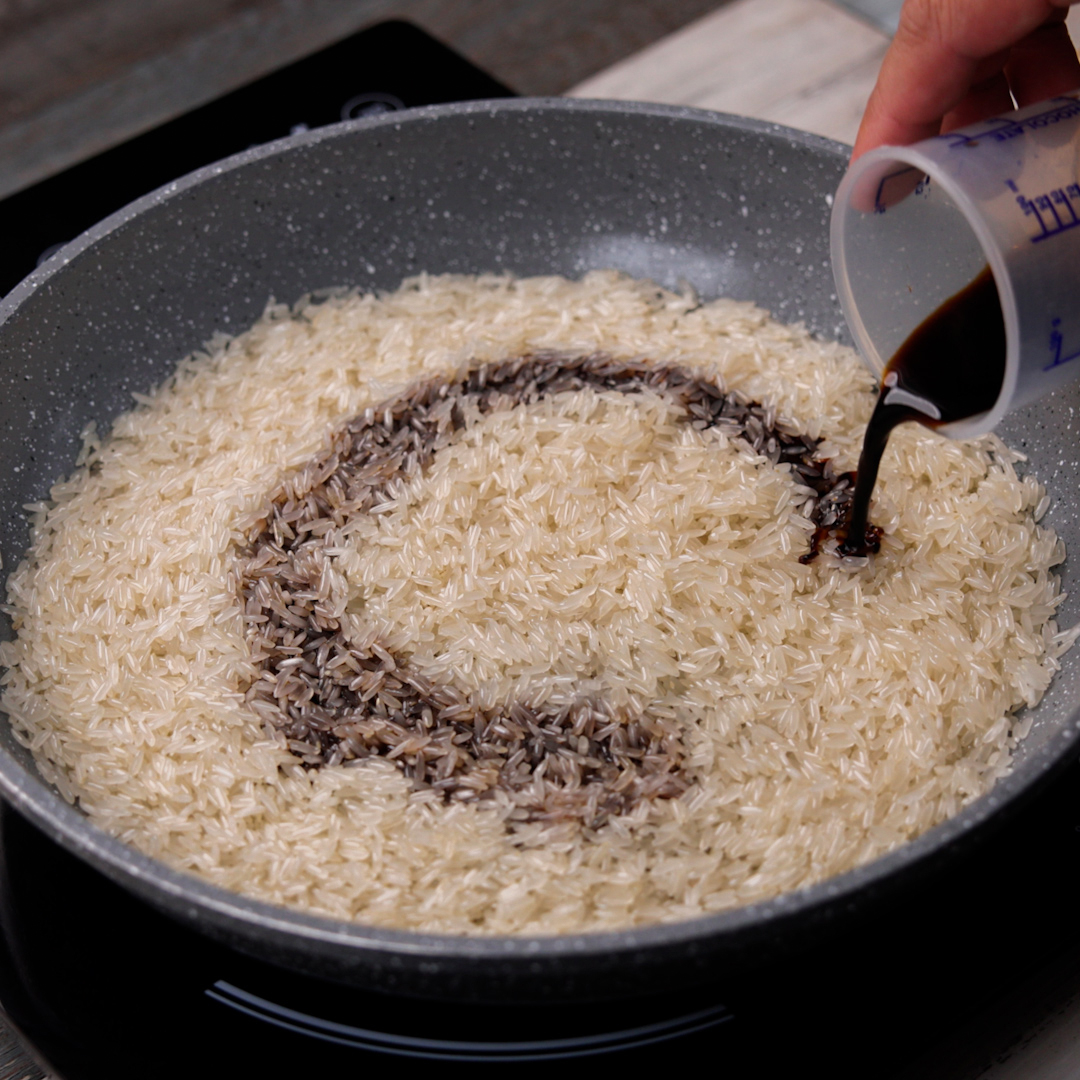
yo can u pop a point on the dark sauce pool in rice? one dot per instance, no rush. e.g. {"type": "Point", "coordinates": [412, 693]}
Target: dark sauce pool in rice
{"type": "Point", "coordinates": [336, 700]}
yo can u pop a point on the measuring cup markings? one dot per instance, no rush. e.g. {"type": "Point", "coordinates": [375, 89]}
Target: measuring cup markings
{"type": "Point", "coordinates": [1057, 339]}
{"type": "Point", "coordinates": [1064, 107]}
{"type": "Point", "coordinates": [1052, 201]}
{"type": "Point", "coordinates": [899, 185]}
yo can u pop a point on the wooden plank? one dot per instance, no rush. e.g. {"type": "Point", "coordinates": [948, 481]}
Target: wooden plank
{"type": "Point", "coordinates": [833, 107]}
{"type": "Point", "coordinates": [808, 63]}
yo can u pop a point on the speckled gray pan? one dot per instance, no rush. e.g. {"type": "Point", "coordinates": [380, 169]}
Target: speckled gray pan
{"type": "Point", "coordinates": [733, 206]}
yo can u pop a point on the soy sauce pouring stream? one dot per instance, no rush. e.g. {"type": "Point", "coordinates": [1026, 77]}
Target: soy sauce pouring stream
{"type": "Point", "coordinates": [950, 367]}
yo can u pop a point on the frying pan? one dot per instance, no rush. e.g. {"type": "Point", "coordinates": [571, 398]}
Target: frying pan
{"type": "Point", "coordinates": [733, 206]}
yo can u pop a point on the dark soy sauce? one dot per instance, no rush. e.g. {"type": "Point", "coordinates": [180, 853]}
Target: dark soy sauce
{"type": "Point", "coordinates": [950, 367]}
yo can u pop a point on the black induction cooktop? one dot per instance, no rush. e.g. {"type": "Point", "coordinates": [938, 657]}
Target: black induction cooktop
{"type": "Point", "coordinates": [393, 65]}
{"type": "Point", "coordinates": [927, 982]}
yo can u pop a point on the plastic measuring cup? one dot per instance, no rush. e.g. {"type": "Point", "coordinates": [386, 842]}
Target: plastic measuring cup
{"type": "Point", "coordinates": [912, 225]}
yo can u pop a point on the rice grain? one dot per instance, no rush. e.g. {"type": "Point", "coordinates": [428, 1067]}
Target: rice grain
{"type": "Point", "coordinates": [589, 546]}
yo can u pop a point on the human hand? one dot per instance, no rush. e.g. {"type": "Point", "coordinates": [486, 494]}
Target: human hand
{"type": "Point", "coordinates": [955, 62]}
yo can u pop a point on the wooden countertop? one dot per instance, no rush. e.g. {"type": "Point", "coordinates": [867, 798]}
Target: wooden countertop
{"type": "Point", "coordinates": [810, 64]}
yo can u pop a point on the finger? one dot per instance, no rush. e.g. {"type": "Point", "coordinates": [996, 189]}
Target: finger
{"type": "Point", "coordinates": [1043, 65]}
{"type": "Point", "coordinates": [918, 84]}
{"type": "Point", "coordinates": [989, 98]}
{"type": "Point", "coordinates": [938, 54]}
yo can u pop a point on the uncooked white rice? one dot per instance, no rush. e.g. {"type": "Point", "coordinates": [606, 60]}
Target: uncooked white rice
{"type": "Point", "coordinates": [589, 543]}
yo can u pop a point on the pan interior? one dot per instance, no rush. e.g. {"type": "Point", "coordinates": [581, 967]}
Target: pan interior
{"type": "Point", "coordinates": [729, 207]}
